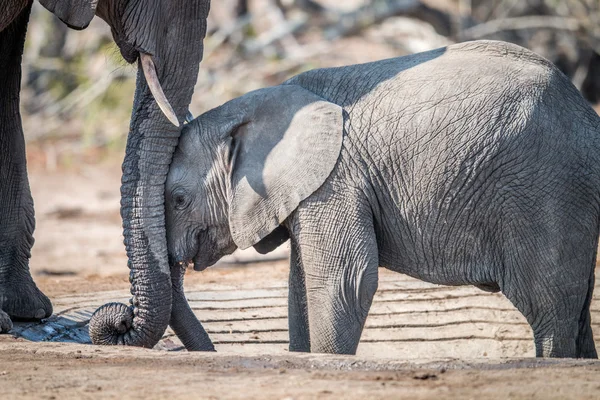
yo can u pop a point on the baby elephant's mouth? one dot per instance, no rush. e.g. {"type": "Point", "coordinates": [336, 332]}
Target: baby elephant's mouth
{"type": "Point", "coordinates": [201, 262]}
{"type": "Point", "coordinates": [208, 253]}
{"type": "Point", "coordinates": [199, 265]}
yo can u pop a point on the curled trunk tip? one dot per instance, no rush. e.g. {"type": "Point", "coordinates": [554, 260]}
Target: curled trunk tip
{"type": "Point", "coordinates": [111, 324]}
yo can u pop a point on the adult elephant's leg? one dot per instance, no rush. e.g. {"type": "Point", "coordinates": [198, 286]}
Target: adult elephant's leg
{"type": "Point", "coordinates": [340, 259]}
{"type": "Point", "coordinates": [297, 306]}
{"type": "Point", "coordinates": [5, 322]}
{"type": "Point", "coordinates": [19, 296]}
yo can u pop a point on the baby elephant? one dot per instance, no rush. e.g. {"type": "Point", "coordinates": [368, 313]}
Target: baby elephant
{"type": "Point", "coordinates": [475, 164]}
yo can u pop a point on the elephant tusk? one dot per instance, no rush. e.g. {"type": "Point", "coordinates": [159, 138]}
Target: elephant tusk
{"type": "Point", "coordinates": [157, 92]}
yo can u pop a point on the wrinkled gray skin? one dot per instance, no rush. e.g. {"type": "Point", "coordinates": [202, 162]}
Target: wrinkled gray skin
{"type": "Point", "coordinates": [171, 33]}
{"type": "Point", "coordinates": [476, 164]}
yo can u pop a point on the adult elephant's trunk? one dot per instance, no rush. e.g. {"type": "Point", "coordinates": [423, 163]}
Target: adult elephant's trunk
{"type": "Point", "coordinates": [150, 145]}
{"type": "Point", "coordinates": [152, 139]}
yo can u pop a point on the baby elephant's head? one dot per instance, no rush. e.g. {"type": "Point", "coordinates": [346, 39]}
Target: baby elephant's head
{"type": "Point", "coordinates": [196, 200]}
{"type": "Point", "coordinates": [241, 169]}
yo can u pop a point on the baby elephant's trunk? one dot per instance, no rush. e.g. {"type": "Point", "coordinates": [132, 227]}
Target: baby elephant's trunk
{"type": "Point", "coordinates": [183, 320]}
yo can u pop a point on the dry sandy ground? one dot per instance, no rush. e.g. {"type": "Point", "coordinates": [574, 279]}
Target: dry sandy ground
{"type": "Point", "coordinates": [58, 371]}
{"type": "Point", "coordinates": [79, 251]}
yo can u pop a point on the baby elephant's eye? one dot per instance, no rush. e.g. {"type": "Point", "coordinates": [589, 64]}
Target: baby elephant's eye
{"type": "Point", "coordinates": [179, 200]}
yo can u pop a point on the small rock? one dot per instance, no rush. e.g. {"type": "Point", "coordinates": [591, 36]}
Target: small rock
{"type": "Point", "coordinates": [425, 376]}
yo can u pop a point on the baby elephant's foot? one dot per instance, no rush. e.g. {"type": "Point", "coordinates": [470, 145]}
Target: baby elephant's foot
{"type": "Point", "coordinates": [5, 322]}
{"type": "Point", "coordinates": [22, 300]}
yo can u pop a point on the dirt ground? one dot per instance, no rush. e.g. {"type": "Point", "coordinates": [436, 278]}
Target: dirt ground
{"type": "Point", "coordinates": [79, 261]}
{"type": "Point", "coordinates": [58, 371]}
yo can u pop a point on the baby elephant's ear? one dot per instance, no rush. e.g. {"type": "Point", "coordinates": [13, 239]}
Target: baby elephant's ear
{"type": "Point", "coordinates": [285, 151]}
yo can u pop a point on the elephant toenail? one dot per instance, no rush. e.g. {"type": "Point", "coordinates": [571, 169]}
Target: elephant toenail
{"type": "Point", "coordinates": [40, 314]}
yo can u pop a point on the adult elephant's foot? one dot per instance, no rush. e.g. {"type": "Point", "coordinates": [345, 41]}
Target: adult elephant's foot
{"type": "Point", "coordinates": [22, 300]}
{"type": "Point", "coordinates": [5, 322]}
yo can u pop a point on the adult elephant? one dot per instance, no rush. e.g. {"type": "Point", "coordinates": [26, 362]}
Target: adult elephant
{"type": "Point", "coordinates": [165, 38]}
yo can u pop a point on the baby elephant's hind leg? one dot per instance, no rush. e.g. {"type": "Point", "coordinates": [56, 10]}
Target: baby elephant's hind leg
{"type": "Point", "coordinates": [551, 315]}
{"type": "Point", "coordinates": [585, 338]}
{"type": "Point", "coordinates": [554, 296]}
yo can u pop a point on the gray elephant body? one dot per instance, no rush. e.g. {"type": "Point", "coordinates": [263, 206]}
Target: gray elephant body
{"type": "Point", "coordinates": [475, 164]}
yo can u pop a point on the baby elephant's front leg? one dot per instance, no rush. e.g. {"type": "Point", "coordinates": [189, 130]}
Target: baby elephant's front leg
{"type": "Point", "coordinates": [340, 265]}
{"type": "Point", "coordinates": [297, 306]}
{"type": "Point", "coordinates": [338, 306]}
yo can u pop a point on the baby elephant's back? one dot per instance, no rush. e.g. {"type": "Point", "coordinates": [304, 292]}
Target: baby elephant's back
{"type": "Point", "coordinates": [468, 138]}
{"type": "Point", "coordinates": [420, 81]}
{"type": "Point", "coordinates": [457, 109]}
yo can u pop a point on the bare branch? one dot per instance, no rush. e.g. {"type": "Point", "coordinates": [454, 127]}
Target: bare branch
{"type": "Point", "coordinates": [518, 23]}
{"type": "Point", "coordinates": [368, 15]}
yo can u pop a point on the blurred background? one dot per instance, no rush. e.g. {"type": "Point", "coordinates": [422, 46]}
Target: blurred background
{"type": "Point", "coordinates": [77, 91]}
